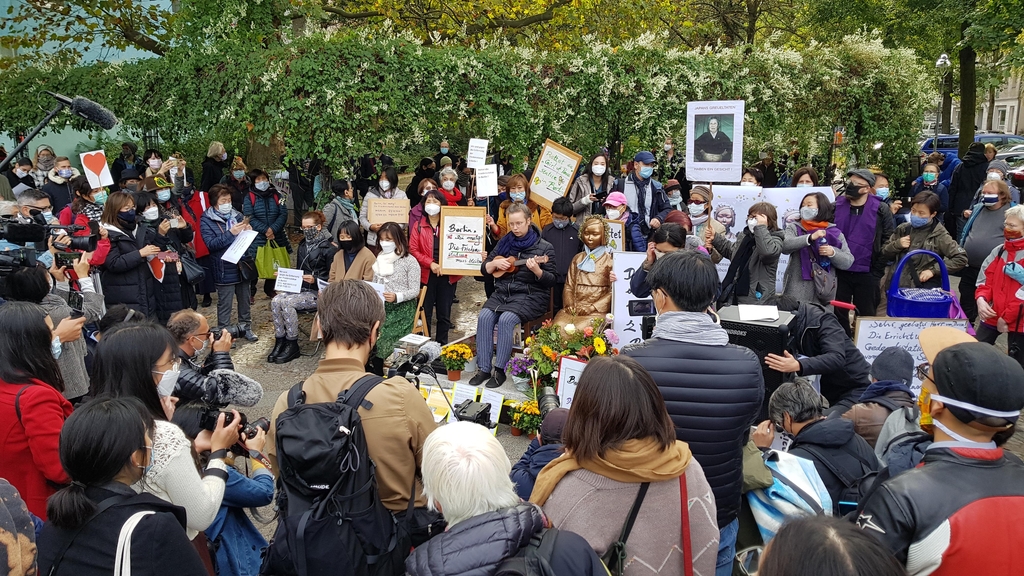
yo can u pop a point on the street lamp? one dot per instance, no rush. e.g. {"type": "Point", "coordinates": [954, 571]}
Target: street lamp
{"type": "Point", "coordinates": [941, 64]}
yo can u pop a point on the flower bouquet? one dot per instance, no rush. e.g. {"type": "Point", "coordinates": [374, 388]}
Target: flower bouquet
{"type": "Point", "coordinates": [549, 344]}
{"type": "Point", "coordinates": [454, 358]}
{"type": "Point", "coordinates": [520, 368]}
{"type": "Point", "coordinates": [525, 418]}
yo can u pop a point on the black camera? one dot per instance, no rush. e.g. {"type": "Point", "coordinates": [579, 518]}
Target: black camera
{"type": "Point", "coordinates": [476, 412]}
{"type": "Point", "coordinates": [11, 260]}
{"type": "Point", "coordinates": [77, 243]}
{"type": "Point", "coordinates": [547, 400]}
{"type": "Point", "coordinates": [208, 421]}
{"type": "Point", "coordinates": [235, 330]}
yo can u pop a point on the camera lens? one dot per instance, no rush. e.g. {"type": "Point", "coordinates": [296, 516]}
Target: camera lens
{"type": "Point", "coordinates": [547, 401]}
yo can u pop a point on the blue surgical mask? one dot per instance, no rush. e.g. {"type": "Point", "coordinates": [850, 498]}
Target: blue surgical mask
{"type": "Point", "coordinates": [518, 196]}
{"type": "Point", "coordinates": [696, 209]}
{"type": "Point", "coordinates": [48, 214]}
{"type": "Point", "coordinates": [808, 213]}
{"type": "Point", "coordinates": [646, 172]}
{"type": "Point", "coordinates": [262, 186]}
{"type": "Point", "coordinates": [919, 221]}
{"type": "Point", "coordinates": [444, 150]}
{"type": "Point", "coordinates": [883, 193]}
{"type": "Point", "coordinates": [65, 172]}
{"type": "Point", "coordinates": [560, 224]}
{"type": "Point", "coordinates": [238, 174]}
{"type": "Point", "coordinates": [163, 195]}
{"type": "Point", "coordinates": [55, 348]}
{"type": "Point", "coordinates": [100, 198]}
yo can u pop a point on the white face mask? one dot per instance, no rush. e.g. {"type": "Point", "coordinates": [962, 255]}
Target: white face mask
{"type": "Point", "coordinates": [385, 185]}
{"type": "Point", "coordinates": [155, 163]}
{"type": "Point", "coordinates": [151, 213]}
{"type": "Point", "coordinates": [748, 183]}
{"type": "Point", "coordinates": [994, 176]}
{"type": "Point", "coordinates": [387, 247]}
{"type": "Point", "coordinates": [168, 380]}
{"type": "Point", "coordinates": [224, 208]}
{"type": "Point", "coordinates": [598, 169]}
{"type": "Point", "coordinates": [614, 213]}
{"type": "Point", "coordinates": [751, 223]}
{"type": "Point", "coordinates": [21, 173]}
{"type": "Point", "coordinates": [804, 185]}
{"type": "Point", "coordinates": [448, 185]}
{"type": "Point", "coordinates": [432, 209]}
{"type": "Point", "coordinates": [696, 209]}
{"type": "Point", "coordinates": [668, 147]}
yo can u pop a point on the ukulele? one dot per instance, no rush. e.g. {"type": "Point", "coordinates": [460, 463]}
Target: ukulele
{"type": "Point", "coordinates": [516, 264]}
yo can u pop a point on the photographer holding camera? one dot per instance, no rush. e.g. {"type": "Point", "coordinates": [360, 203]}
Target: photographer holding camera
{"type": "Point", "coordinates": [543, 449]}
{"type": "Point", "coordinates": [214, 381]}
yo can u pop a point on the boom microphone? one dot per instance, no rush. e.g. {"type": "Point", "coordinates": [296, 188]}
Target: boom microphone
{"type": "Point", "coordinates": [88, 109]}
{"type": "Point", "coordinates": [427, 353]}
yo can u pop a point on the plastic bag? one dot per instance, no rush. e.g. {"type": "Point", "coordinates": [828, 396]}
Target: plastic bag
{"type": "Point", "coordinates": [269, 258]}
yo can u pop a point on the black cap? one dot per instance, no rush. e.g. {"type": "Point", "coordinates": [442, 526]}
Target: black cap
{"type": "Point", "coordinates": [129, 174]}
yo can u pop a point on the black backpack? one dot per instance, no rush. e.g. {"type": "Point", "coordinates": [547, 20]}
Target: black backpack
{"type": "Point", "coordinates": [534, 559]}
{"type": "Point", "coordinates": [856, 487]}
{"type": "Point", "coordinates": [331, 519]}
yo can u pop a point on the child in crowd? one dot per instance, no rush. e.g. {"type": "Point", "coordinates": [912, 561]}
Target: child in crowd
{"type": "Point", "coordinates": [564, 235]}
{"type": "Point", "coordinates": [616, 209]}
{"type": "Point", "coordinates": [543, 449]}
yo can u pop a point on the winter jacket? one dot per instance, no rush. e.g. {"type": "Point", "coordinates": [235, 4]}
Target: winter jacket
{"type": "Point", "coordinates": [522, 293]}
{"type": "Point", "coordinates": [421, 246]}
{"type": "Point", "coordinates": [816, 334]}
{"type": "Point", "coordinates": [239, 189]}
{"type": "Point", "coordinates": [218, 237]}
{"type": "Point", "coordinates": [316, 261]}
{"type": "Point", "coordinates": [238, 543]}
{"type": "Point", "coordinates": [364, 220]}
{"type": "Point", "coordinates": [957, 513]}
{"type": "Point", "coordinates": [191, 205]}
{"type": "Point", "coordinates": [361, 267]}
{"type": "Point", "coordinates": [477, 545]}
{"type": "Point", "coordinates": [1000, 289]}
{"type": "Point", "coordinates": [126, 276]}
{"type": "Point", "coordinates": [213, 172]}
{"type": "Point", "coordinates": [266, 212]}
{"type": "Point", "coordinates": [120, 165]}
{"type": "Point", "coordinates": [763, 263]}
{"type": "Point", "coordinates": [937, 188]}
{"type": "Point", "coordinates": [336, 215]}
{"type": "Point", "coordinates": [832, 443]}
{"type": "Point", "coordinates": [13, 179]}
{"type": "Point", "coordinates": [68, 217]}
{"type": "Point", "coordinates": [934, 238]}
{"type": "Point", "coordinates": [59, 189]}
{"type": "Point", "coordinates": [541, 216]}
{"type": "Point", "coordinates": [635, 239]}
{"type": "Point", "coordinates": [159, 545]}
{"type": "Point", "coordinates": [966, 179]}
{"type": "Point", "coordinates": [72, 356]}
{"type": "Point", "coordinates": [29, 445]}
{"type": "Point", "coordinates": [168, 292]}
{"type": "Point", "coordinates": [524, 472]}
{"type": "Point", "coordinates": [869, 414]}
{"type": "Point", "coordinates": [793, 283]}
{"type": "Point", "coordinates": [714, 396]}
{"type": "Point", "coordinates": [580, 193]}
{"type": "Point", "coordinates": [660, 205]}
{"type": "Point", "coordinates": [567, 244]}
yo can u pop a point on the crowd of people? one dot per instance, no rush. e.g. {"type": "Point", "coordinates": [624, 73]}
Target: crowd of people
{"type": "Point", "coordinates": [117, 428]}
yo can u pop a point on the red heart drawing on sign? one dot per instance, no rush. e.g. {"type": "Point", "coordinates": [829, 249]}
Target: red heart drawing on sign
{"type": "Point", "coordinates": [94, 162]}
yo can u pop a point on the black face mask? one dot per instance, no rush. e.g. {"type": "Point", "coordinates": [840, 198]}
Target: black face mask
{"type": "Point", "coordinates": [852, 190]}
{"type": "Point", "coordinates": [347, 245]}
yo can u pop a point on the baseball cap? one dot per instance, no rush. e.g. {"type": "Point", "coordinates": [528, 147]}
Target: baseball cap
{"type": "Point", "coordinates": [645, 157]}
{"type": "Point", "coordinates": [615, 199]}
{"type": "Point", "coordinates": [865, 174]}
{"type": "Point", "coordinates": [973, 379]}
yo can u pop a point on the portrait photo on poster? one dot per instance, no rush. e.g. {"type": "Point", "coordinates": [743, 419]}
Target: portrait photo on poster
{"type": "Point", "coordinates": [716, 136]}
{"type": "Point", "coordinates": [714, 141]}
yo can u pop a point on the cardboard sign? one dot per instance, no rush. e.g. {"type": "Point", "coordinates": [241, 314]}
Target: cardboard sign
{"type": "Point", "coordinates": [714, 141]}
{"type": "Point", "coordinates": [476, 154]}
{"type": "Point", "coordinates": [487, 181]}
{"type": "Point", "coordinates": [616, 235]}
{"type": "Point", "coordinates": [463, 238]}
{"type": "Point", "coordinates": [553, 174]}
{"type": "Point", "coordinates": [95, 168]}
{"type": "Point", "coordinates": [875, 334]}
{"type": "Point", "coordinates": [569, 371]}
{"type": "Point", "coordinates": [628, 309]}
{"type": "Point", "coordinates": [381, 211]}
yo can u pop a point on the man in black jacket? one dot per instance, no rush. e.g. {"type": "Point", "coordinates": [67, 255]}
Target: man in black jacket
{"type": "Point", "coordinates": [713, 389]}
{"type": "Point", "coordinates": [840, 456]}
{"type": "Point", "coordinates": [215, 380]}
{"type": "Point", "coordinates": [967, 178]}
{"type": "Point", "coordinates": [822, 348]}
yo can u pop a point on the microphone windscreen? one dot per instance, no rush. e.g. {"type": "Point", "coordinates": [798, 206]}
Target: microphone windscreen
{"type": "Point", "coordinates": [432, 350]}
{"type": "Point", "coordinates": [93, 112]}
{"type": "Point", "coordinates": [235, 388]}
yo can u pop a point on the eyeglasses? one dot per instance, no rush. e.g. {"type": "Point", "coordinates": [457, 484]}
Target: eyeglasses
{"type": "Point", "coordinates": [202, 335]}
{"type": "Point", "coordinates": [923, 372]}
{"type": "Point", "coordinates": [174, 367]}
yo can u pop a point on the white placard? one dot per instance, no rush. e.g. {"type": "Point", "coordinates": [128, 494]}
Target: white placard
{"type": "Point", "coordinates": [730, 208]}
{"type": "Point", "coordinates": [463, 240]}
{"type": "Point", "coordinates": [628, 326]}
{"type": "Point", "coordinates": [378, 287]}
{"type": "Point", "coordinates": [495, 399]}
{"type": "Point", "coordinates": [875, 334]}
{"type": "Point", "coordinates": [714, 141]}
{"type": "Point", "coordinates": [476, 154]}
{"type": "Point", "coordinates": [787, 204]}
{"type": "Point", "coordinates": [95, 168]}
{"type": "Point", "coordinates": [753, 313]}
{"type": "Point", "coordinates": [288, 280]}
{"type": "Point", "coordinates": [320, 285]}
{"type": "Point", "coordinates": [487, 181]}
{"type": "Point", "coordinates": [237, 249]}
{"type": "Point", "coordinates": [569, 371]}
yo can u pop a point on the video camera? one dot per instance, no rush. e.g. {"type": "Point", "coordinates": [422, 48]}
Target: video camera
{"type": "Point", "coordinates": [24, 233]}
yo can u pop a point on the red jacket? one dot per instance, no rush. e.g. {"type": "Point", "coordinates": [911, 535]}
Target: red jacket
{"type": "Point", "coordinates": [1001, 290]}
{"type": "Point", "coordinates": [192, 211]}
{"type": "Point", "coordinates": [29, 448]}
{"type": "Point", "coordinates": [421, 244]}
{"type": "Point", "coordinates": [99, 256]}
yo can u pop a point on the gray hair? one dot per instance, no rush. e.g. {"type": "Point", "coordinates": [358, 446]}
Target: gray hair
{"type": "Point", "coordinates": [448, 171]}
{"type": "Point", "coordinates": [1015, 211]}
{"type": "Point", "coordinates": [183, 323]}
{"type": "Point", "coordinates": [31, 195]}
{"type": "Point", "coordinates": [518, 208]}
{"type": "Point", "coordinates": [798, 399]}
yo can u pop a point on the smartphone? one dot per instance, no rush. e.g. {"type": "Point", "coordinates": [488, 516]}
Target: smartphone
{"type": "Point", "coordinates": [77, 302]}
{"type": "Point", "coordinates": [66, 259]}
{"type": "Point", "coordinates": [641, 307]}
{"type": "Point", "coordinates": [173, 222]}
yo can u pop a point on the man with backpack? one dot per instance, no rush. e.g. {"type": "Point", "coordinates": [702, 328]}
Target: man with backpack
{"type": "Point", "coordinates": [490, 531]}
{"type": "Point", "coordinates": [371, 430]}
{"type": "Point", "coordinates": [891, 373]}
{"type": "Point", "coordinates": [959, 511]}
{"type": "Point", "coordinates": [842, 458]}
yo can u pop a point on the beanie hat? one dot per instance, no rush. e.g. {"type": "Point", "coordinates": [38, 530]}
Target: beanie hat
{"type": "Point", "coordinates": [893, 364]}
{"type": "Point", "coordinates": [703, 191]}
{"type": "Point", "coordinates": [672, 185]}
{"type": "Point", "coordinates": [446, 161]}
{"type": "Point", "coordinates": [1000, 165]}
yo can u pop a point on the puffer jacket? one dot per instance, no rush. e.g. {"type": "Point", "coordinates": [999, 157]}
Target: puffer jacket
{"type": "Point", "coordinates": [523, 293]}
{"type": "Point", "coordinates": [266, 212]}
{"type": "Point", "coordinates": [59, 189]}
{"type": "Point", "coordinates": [934, 238]}
{"type": "Point", "coordinates": [125, 273]}
{"type": "Point", "coordinates": [832, 444]}
{"type": "Point", "coordinates": [525, 471]}
{"type": "Point", "coordinates": [476, 546]}
{"type": "Point", "coordinates": [1000, 289]}
{"type": "Point", "coordinates": [194, 382]}
{"type": "Point", "coordinates": [871, 411]}
{"type": "Point", "coordinates": [763, 263]}
{"type": "Point", "coordinates": [316, 261]}
{"type": "Point", "coordinates": [816, 334]}
{"type": "Point", "coordinates": [218, 237]}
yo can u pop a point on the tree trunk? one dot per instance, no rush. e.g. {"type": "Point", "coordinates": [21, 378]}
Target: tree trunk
{"type": "Point", "coordinates": [991, 107]}
{"type": "Point", "coordinates": [753, 7]}
{"type": "Point", "coordinates": [947, 101]}
{"type": "Point", "coordinates": [968, 93]}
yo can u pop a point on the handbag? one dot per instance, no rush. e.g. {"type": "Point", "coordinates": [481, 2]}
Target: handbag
{"type": "Point", "coordinates": [123, 557]}
{"type": "Point", "coordinates": [825, 282]}
{"type": "Point", "coordinates": [615, 558]}
{"type": "Point", "coordinates": [247, 268]}
{"type": "Point", "coordinates": [194, 273]}
{"type": "Point", "coordinates": [269, 258]}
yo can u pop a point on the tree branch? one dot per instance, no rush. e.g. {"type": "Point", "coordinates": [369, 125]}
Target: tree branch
{"type": "Point", "coordinates": [520, 23]}
{"type": "Point", "coordinates": [352, 15]}
{"type": "Point", "coordinates": [143, 41]}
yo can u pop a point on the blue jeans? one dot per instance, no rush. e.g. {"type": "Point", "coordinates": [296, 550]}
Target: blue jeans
{"type": "Point", "coordinates": [727, 548]}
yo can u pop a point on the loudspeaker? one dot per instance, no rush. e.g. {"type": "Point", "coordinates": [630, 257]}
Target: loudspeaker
{"type": "Point", "coordinates": [763, 337]}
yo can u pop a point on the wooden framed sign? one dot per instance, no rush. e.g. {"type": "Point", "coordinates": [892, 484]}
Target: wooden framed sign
{"type": "Point", "coordinates": [616, 235]}
{"type": "Point", "coordinates": [381, 211]}
{"type": "Point", "coordinates": [553, 174]}
{"type": "Point", "coordinates": [463, 236]}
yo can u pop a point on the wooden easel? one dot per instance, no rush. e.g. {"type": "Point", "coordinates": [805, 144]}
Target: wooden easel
{"type": "Point", "coordinates": [419, 322]}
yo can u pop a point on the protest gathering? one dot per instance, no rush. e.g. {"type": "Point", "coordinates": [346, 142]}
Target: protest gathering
{"type": "Point", "coordinates": [352, 288]}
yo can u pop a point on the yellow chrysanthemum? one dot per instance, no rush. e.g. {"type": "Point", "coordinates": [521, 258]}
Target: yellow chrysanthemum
{"type": "Point", "coordinates": [599, 345]}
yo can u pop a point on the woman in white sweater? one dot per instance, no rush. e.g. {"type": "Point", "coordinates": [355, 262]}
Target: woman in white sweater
{"type": "Point", "coordinates": [140, 360]}
{"type": "Point", "coordinates": [399, 272]}
{"type": "Point", "coordinates": [387, 189]}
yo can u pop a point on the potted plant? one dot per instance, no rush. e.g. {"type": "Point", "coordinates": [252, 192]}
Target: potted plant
{"type": "Point", "coordinates": [519, 367]}
{"type": "Point", "coordinates": [525, 418]}
{"type": "Point", "coordinates": [455, 357]}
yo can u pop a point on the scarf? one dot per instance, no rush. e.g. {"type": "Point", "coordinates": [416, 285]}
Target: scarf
{"type": "Point", "coordinates": [880, 388]}
{"type": "Point", "coordinates": [635, 461]}
{"type": "Point", "coordinates": [690, 327]}
{"type": "Point", "coordinates": [737, 279]}
{"type": "Point", "coordinates": [511, 244]}
{"type": "Point", "coordinates": [385, 264]}
{"type": "Point", "coordinates": [589, 262]}
{"type": "Point", "coordinates": [697, 221]}
{"type": "Point", "coordinates": [92, 211]}
{"type": "Point", "coordinates": [347, 204]}
{"type": "Point", "coordinates": [811, 251]}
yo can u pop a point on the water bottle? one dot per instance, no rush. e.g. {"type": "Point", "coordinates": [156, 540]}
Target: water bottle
{"type": "Point", "coordinates": [824, 261]}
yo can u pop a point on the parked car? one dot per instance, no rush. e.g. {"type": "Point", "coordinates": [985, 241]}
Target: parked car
{"type": "Point", "coordinates": [1010, 153]}
{"type": "Point", "coordinates": [950, 143]}
{"type": "Point", "coordinates": [1017, 173]}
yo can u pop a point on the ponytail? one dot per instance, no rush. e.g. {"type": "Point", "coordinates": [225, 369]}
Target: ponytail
{"type": "Point", "coordinates": [70, 507]}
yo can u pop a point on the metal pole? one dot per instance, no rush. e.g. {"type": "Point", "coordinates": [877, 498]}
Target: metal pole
{"type": "Point", "coordinates": [35, 132]}
{"type": "Point", "coordinates": [938, 116]}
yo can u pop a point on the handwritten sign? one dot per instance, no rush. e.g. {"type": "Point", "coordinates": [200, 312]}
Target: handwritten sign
{"type": "Point", "coordinates": [476, 154]}
{"type": "Point", "coordinates": [381, 211]}
{"type": "Point", "coordinates": [875, 334]}
{"type": "Point", "coordinates": [617, 235]}
{"type": "Point", "coordinates": [463, 234]}
{"type": "Point", "coordinates": [628, 318]}
{"type": "Point", "coordinates": [569, 371]}
{"type": "Point", "coordinates": [237, 249]}
{"type": "Point", "coordinates": [487, 181]}
{"type": "Point", "coordinates": [96, 169]}
{"type": "Point", "coordinates": [554, 173]}
{"type": "Point", "coordinates": [288, 280]}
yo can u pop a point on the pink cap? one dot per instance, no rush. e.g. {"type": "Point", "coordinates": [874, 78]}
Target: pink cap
{"type": "Point", "coordinates": [615, 199]}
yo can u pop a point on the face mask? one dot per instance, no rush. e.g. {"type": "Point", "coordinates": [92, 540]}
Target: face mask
{"type": "Point", "coordinates": [432, 209]}
{"type": "Point", "coordinates": [387, 247]}
{"type": "Point", "coordinates": [990, 199]}
{"type": "Point", "coordinates": [852, 190]}
{"type": "Point", "coordinates": [163, 195]}
{"type": "Point", "coordinates": [929, 177]}
{"type": "Point", "coordinates": [65, 172]}
{"type": "Point", "coordinates": [132, 186]}
{"type": "Point", "coordinates": [518, 196]}
{"type": "Point", "coordinates": [448, 185]}
{"type": "Point", "coordinates": [444, 150]}
{"type": "Point", "coordinates": [167, 382]}
{"type": "Point", "coordinates": [263, 186]}
{"type": "Point", "coordinates": [646, 172]}
{"type": "Point", "coordinates": [696, 209]}
{"type": "Point", "coordinates": [347, 245]}
{"type": "Point", "coordinates": [223, 156]}
{"type": "Point", "coordinates": [668, 147]}
{"type": "Point", "coordinates": [128, 216]}
{"type": "Point", "coordinates": [883, 193]}
{"type": "Point", "coordinates": [49, 216]}
{"type": "Point", "coordinates": [919, 221]}
{"type": "Point", "coordinates": [994, 176]}
{"type": "Point", "coordinates": [560, 224]}
{"type": "Point", "coordinates": [751, 223]}
{"type": "Point", "coordinates": [808, 213]}
{"type": "Point", "coordinates": [224, 208]}
{"type": "Point", "coordinates": [804, 185]}
{"type": "Point", "coordinates": [150, 214]}
{"type": "Point", "coordinates": [55, 348]}
{"type": "Point", "coordinates": [385, 185]}
{"type": "Point", "coordinates": [1013, 234]}
{"type": "Point", "coordinates": [155, 164]}
{"type": "Point", "coordinates": [310, 234]}
{"type": "Point", "coordinates": [598, 169]}
{"type": "Point", "coordinates": [525, 166]}
{"type": "Point", "coordinates": [201, 348]}
{"type": "Point", "coordinates": [238, 174]}
{"type": "Point", "coordinates": [748, 183]}
{"type": "Point", "coordinates": [100, 197]}
{"type": "Point", "coordinates": [47, 163]}
{"type": "Point", "coordinates": [21, 173]}
{"type": "Point", "coordinates": [614, 214]}
{"type": "Point", "coordinates": [675, 200]}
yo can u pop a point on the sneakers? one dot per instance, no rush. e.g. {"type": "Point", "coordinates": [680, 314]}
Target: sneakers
{"type": "Point", "coordinates": [497, 380]}
{"type": "Point", "coordinates": [479, 378]}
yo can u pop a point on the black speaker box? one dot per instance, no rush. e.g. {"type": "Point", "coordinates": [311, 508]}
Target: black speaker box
{"type": "Point", "coordinates": [763, 337]}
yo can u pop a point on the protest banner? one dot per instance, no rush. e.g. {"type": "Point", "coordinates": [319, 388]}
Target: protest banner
{"type": "Point", "coordinates": [874, 334]}
{"type": "Point", "coordinates": [476, 153]}
{"type": "Point", "coordinates": [463, 237]}
{"type": "Point", "coordinates": [381, 210]}
{"type": "Point", "coordinates": [487, 181]}
{"type": "Point", "coordinates": [714, 141]}
{"type": "Point", "coordinates": [553, 174]}
{"type": "Point", "coordinates": [569, 371]}
{"type": "Point", "coordinates": [628, 309]}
